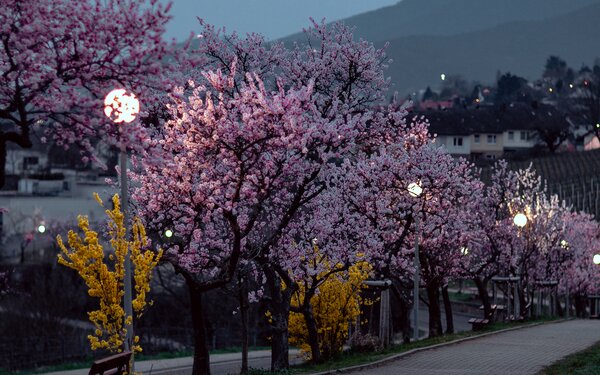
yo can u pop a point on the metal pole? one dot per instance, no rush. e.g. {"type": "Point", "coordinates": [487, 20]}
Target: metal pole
{"type": "Point", "coordinates": [127, 266]}
{"type": "Point", "coordinates": [384, 318]}
{"type": "Point", "coordinates": [416, 282]}
{"type": "Point", "coordinates": [567, 304]}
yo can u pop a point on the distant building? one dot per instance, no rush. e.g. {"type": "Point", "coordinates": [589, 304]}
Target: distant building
{"type": "Point", "coordinates": [485, 131]}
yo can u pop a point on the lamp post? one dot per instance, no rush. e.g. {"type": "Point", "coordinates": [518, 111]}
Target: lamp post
{"type": "Point", "coordinates": [415, 190]}
{"type": "Point", "coordinates": [122, 108]}
{"type": "Point", "coordinates": [520, 220]}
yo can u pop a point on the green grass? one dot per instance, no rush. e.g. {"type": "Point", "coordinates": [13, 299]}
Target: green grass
{"type": "Point", "coordinates": [348, 359]}
{"type": "Point", "coordinates": [238, 349]}
{"type": "Point", "coordinates": [586, 362]}
{"type": "Point", "coordinates": [462, 297]}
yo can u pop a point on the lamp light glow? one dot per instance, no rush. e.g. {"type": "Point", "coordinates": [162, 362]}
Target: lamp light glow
{"type": "Point", "coordinates": [120, 107]}
{"type": "Point", "coordinates": [597, 259]}
{"type": "Point", "coordinates": [414, 189]}
{"type": "Point", "coordinates": [168, 233]}
{"type": "Point", "coordinates": [520, 220]}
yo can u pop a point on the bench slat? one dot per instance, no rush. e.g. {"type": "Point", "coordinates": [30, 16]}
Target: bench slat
{"type": "Point", "coordinates": [115, 364]}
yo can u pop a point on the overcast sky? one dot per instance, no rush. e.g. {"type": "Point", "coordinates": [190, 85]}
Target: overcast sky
{"type": "Point", "coordinates": [272, 18]}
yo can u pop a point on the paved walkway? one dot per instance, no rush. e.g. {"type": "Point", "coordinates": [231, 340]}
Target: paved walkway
{"type": "Point", "coordinates": [518, 352]}
{"type": "Point", "coordinates": [220, 364]}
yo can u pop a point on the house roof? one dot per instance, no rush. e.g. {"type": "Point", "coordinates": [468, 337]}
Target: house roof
{"type": "Point", "coordinates": [487, 119]}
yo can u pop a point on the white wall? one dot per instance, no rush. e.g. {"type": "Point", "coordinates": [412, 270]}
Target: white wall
{"type": "Point", "coordinates": [447, 141]}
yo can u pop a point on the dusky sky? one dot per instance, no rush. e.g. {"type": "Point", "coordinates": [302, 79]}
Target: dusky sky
{"type": "Point", "coordinates": [272, 18]}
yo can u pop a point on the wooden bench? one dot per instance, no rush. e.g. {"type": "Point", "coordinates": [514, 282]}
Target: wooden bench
{"type": "Point", "coordinates": [117, 364]}
{"type": "Point", "coordinates": [478, 324]}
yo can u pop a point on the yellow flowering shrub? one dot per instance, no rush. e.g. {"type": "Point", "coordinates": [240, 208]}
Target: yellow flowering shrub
{"type": "Point", "coordinates": [336, 304]}
{"type": "Point", "coordinates": [104, 273]}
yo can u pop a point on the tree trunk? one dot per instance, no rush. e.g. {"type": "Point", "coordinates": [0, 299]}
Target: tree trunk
{"type": "Point", "coordinates": [280, 311]}
{"type": "Point", "coordinates": [483, 295]}
{"type": "Point", "coordinates": [435, 314]}
{"type": "Point", "coordinates": [201, 355]}
{"type": "Point", "coordinates": [2, 163]}
{"type": "Point", "coordinates": [580, 306]}
{"type": "Point", "coordinates": [313, 334]}
{"type": "Point", "coordinates": [244, 306]}
{"type": "Point", "coordinates": [448, 310]}
{"type": "Point", "coordinates": [522, 301]}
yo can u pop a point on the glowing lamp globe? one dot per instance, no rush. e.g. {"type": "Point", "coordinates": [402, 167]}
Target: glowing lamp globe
{"type": "Point", "coordinates": [597, 259]}
{"type": "Point", "coordinates": [168, 233]}
{"type": "Point", "coordinates": [41, 228]}
{"type": "Point", "coordinates": [520, 220]}
{"type": "Point", "coordinates": [414, 189]}
{"type": "Point", "coordinates": [121, 107]}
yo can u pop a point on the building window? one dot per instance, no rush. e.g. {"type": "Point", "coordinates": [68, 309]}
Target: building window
{"type": "Point", "coordinates": [523, 135]}
{"type": "Point", "coordinates": [458, 141]}
{"type": "Point", "coordinates": [476, 138]}
{"type": "Point", "coordinates": [490, 156]}
{"type": "Point", "coordinates": [30, 160]}
{"type": "Point", "coordinates": [491, 138]}
{"type": "Point", "coordinates": [511, 135]}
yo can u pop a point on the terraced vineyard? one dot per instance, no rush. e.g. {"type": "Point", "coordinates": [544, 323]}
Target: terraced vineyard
{"type": "Point", "coordinates": [573, 176]}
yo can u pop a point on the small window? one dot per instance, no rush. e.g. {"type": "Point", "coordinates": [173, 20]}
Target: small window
{"type": "Point", "coordinates": [458, 141]}
{"type": "Point", "coordinates": [523, 135]}
{"type": "Point", "coordinates": [66, 186]}
{"type": "Point", "coordinates": [511, 135]}
{"type": "Point", "coordinates": [491, 138]}
{"type": "Point", "coordinates": [476, 138]}
{"type": "Point", "coordinates": [30, 160]}
{"type": "Point", "coordinates": [490, 156]}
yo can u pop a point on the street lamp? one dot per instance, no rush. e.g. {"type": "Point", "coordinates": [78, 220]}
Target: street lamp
{"type": "Point", "coordinates": [596, 259]}
{"type": "Point", "coordinates": [122, 108]}
{"type": "Point", "coordinates": [415, 190]}
{"type": "Point", "coordinates": [41, 228]}
{"type": "Point", "coordinates": [168, 233]}
{"type": "Point", "coordinates": [520, 220]}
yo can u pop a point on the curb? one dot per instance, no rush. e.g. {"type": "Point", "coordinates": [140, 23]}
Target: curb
{"type": "Point", "coordinates": [394, 357]}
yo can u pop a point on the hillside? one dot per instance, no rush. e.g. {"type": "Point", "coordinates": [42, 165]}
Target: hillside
{"type": "Point", "coordinates": [573, 176]}
{"type": "Point", "coordinates": [519, 47]}
{"type": "Point", "coordinates": [479, 38]}
{"type": "Point", "coordinates": [450, 17]}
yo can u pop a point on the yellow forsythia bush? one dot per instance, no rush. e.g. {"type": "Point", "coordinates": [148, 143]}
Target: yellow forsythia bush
{"type": "Point", "coordinates": [335, 306]}
{"type": "Point", "coordinates": [104, 273]}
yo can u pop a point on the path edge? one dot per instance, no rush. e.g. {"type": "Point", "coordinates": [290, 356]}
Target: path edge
{"type": "Point", "coordinates": [394, 357]}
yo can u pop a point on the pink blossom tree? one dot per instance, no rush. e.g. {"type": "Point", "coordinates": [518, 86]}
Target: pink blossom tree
{"type": "Point", "coordinates": [242, 155]}
{"type": "Point", "coordinates": [59, 58]}
{"type": "Point", "coordinates": [489, 252]}
{"type": "Point", "coordinates": [376, 192]}
{"type": "Point", "coordinates": [580, 276]}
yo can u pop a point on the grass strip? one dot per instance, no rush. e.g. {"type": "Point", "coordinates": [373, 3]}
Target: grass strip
{"type": "Point", "coordinates": [586, 362]}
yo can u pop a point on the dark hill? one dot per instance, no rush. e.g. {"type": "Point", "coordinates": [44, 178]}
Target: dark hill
{"type": "Point", "coordinates": [519, 47]}
{"type": "Point", "coordinates": [449, 17]}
